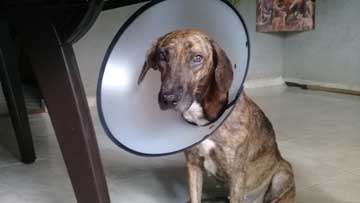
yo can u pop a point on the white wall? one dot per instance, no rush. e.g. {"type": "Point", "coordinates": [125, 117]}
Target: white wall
{"type": "Point", "coordinates": [267, 49]}
{"type": "Point", "coordinates": [329, 55]}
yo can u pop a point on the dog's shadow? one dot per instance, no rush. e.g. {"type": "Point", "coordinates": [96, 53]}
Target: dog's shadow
{"type": "Point", "coordinates": [173, 177]}
{"type": "Point", "coordinates": [150, 176]}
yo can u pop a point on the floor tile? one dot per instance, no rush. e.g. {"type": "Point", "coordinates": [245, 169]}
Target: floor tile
{"type": "Point", "coordinates": [45, 181]}
{"type": "Point", "coordinates": [341, 189]}
{"type": "Point", "coordinates": [309, 171]}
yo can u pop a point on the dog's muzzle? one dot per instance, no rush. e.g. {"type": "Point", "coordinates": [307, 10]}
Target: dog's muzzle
{"type": "Point", "coordinates": [170, 98]}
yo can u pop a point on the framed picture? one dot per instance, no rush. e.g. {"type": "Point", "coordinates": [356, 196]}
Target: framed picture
{"type": "Point", "coordinates": [285, 15]}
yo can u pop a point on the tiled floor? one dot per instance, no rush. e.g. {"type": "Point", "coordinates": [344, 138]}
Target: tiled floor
{"type": "Point", "coordinates": [319, 133]}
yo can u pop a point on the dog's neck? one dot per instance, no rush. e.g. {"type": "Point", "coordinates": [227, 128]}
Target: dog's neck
{"type": "Point", "coordinates": [195, 114]}
{"type": "Point", "coordinates": [208, 108]}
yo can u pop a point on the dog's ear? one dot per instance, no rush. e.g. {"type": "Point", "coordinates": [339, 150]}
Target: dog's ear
{"type": "Point", "coordinates": [150, 62]}
{"type": "Point", "coordinates": [223, 68]}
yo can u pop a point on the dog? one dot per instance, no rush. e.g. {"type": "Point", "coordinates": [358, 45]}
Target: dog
{"type": "Point", "coordinates": [242, 153]}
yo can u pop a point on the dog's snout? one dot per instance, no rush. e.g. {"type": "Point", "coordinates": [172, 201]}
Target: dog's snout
{"type": "Point", "coordinates": [169, 98]}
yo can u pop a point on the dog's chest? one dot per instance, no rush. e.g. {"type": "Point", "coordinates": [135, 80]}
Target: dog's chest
{"type": "Point", "coordinates": [216, 158]}
{"type": "Point", "coordinates": [205, 150]}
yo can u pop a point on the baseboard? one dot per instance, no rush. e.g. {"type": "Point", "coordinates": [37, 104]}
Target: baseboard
{"type": "Point", "coordinates": [322, 86]}
{"type": "Point", "coordinates": [266, 82]}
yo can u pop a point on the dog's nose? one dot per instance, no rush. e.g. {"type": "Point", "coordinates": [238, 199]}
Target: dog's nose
{"type": "Point", "coordinates": [171, 98]}
{"type": "Point", "coordinates": [168, 100]}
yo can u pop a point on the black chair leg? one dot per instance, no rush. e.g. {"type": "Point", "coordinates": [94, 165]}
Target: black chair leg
{"type": "Point", "coordinates": [11, 84]}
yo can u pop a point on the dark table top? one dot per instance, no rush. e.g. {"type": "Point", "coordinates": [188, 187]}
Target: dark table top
{"type": "Point", "coordinates": [72, 18]}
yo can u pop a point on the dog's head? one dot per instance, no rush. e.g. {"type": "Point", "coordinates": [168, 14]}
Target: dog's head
{"type": "Point", "coordinates": [191, 66]}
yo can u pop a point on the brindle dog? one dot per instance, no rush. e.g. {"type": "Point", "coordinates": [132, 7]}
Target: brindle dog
{"type": "Point", "coordinates": [196, 76]}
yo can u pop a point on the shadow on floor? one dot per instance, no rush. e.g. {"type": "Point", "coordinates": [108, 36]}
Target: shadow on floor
{"type": "Point", "coordinates": [8, 142]}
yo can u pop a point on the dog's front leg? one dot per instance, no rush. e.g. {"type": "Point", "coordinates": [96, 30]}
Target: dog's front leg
{"type": "Point", "coordinates": [237, 187]}
{"type": "Point", "coordinates": [195, 183]}
{"type": "Point", "coordinates": [195, 177]}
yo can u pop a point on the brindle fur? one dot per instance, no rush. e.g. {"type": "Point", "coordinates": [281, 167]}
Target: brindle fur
{"type": "Point", "coordinates": [246, 155]}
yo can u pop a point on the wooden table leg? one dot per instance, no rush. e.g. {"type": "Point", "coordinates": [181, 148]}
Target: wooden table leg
{"type": "Point", "coordinates": [10, 81]}
{"type": "Point", "coordinates": [57, 72]}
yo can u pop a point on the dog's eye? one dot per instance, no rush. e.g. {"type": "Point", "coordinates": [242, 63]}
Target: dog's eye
{"type": "Point", "coordinates": [198, 59]}
{"type": "Point", "coordinates": [162, 56]}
